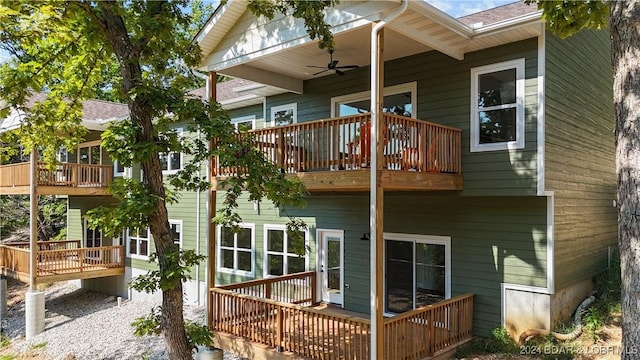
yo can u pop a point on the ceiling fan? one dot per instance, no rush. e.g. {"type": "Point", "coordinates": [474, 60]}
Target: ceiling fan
{"type": "Point", "coordinates": [333, 65]}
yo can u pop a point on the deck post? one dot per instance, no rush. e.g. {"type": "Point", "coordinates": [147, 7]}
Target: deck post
{"type": "Point", "coordinates": [34, 300]}
{"type": "Point", "coordinates": [211, 248]}
{"type": "Point", "coordinates": [376, 206]}
{"type": "Point", "coordinates": [377, 196]}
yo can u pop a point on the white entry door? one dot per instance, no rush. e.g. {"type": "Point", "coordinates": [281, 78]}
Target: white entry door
{"type": "Point", "coordinates": [332, 266]}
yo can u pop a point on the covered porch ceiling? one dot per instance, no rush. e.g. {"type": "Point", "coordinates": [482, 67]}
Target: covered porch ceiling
{"type": "Point", "coordinates": [277, 52]}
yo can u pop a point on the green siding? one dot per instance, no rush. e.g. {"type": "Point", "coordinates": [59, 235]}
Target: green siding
{"type": "Point", "coordinates": [502, 240]}
{"type": "Point", "coordinates": [580, 153]}
{"type": "Point", "coordinates": [78, 207]}
{"type": "Point", "coordinates": [443, 97]}
{"type": "Point", "coordinates": [255, 110]}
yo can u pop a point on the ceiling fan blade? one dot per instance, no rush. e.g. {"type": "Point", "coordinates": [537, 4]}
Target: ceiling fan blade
{"type": "Point", "coordinates": [339, 72]}
{"type": "Point", "coordinates": [317, 67]}
{"type": "Point", "coordinates": [348, 67]}
{"type": "Point", "coordinates": [320, 72]}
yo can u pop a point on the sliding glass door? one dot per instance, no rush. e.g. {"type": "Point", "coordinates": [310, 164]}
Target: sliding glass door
{"type": "Point", "coordinates": [417, 271]}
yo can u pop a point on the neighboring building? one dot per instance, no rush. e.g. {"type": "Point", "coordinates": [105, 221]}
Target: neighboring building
{"type": "Point", "coordinates": [504, 187]}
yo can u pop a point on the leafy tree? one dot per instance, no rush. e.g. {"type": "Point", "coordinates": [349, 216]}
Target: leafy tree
{"type": "Point", "coordinates": [70, 50]}
{"type": "Point", "coordinates": [565, 18]}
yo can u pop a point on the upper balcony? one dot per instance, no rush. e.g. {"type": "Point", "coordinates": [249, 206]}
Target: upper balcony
{"type": "Point", "coordinates": [334, 154]}
{"type": "Point", "coordinates": [63, 179]}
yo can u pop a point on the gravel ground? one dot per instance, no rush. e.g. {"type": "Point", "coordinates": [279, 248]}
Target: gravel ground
{"type": "Point", "coordinates": [81, 324]}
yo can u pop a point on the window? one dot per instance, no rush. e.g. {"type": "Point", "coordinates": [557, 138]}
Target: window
{"type": "Point", "coordinates": [90, 153]}
{"type": "Point", "coordinates": [118, 169]}
{"type": "Point", "coordinates": [398, 99]}
{"type": "Point", "coordinates": [62, 155]}
{"type": "Point", "coordinates": [235, 252]}
{"type": "Point", "coordinates": [176, 232]}
{"type": "Point", "coordinates": [280, 257]}
{"type": "Point", "coordinates": [284, 114]}
{"type": "Point", "coordinates": [244, 123]}
{"type": "Point", "coordinates": [92, 239]}
{"type": "Point", "coordinates": [138, 244]}
{"type": "Point", "coordinates": [497, 106]}
{"type": "Point", "coordinates": [171, 162]}
{"type": "Point", "coordinates": [417, 271]}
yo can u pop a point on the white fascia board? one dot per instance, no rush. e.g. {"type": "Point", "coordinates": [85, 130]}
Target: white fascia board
{"type": "Point", "coordinates": [429, 11]}
{"type": "Point", "coordinates": [265, 77]}
{"type": "Point", "coordinates": [509, 24]}
{"type": "Point", "coordinates": [430, 41]}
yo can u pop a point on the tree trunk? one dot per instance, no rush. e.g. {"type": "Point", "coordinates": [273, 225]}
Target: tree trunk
{"type": "Point", "coordinates": [115, 32]}
{"type": "Point", "coordinates": [625, 59]}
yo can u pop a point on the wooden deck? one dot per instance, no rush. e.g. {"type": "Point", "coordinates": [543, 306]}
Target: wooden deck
{"type": "Point", "coordinates": [61, 261]}
{"type": "Point", "coordinates": [63, 179]}
{"type": "Point", "coordinates": [296, 324]}
{"type": "Point", "coordinates": [334, 154]}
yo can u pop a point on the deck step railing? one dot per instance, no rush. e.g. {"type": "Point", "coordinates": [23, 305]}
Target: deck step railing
{"type": "Point", "coordinates": [296, 288]}
{"type": "Point", "coordinates": [241, 310]}
{"type": "Point", "coordinates": [343, 144]}
{"type": "Point", "coordinates": [48, 245]}
{"type": "Point", "coordinates": [13, 175]}
{"type": "Point", "coordinates": [15, 259]}
{"type": "Point", "coordinates": [425, 331]}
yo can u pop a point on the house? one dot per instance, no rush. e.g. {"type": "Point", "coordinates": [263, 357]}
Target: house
{"type": "Point", "coordinates": [496, 170]}
{"type": "Point", "coordinates": [84, 172]}
{"type": "Point", "coordinates": [93, 260]}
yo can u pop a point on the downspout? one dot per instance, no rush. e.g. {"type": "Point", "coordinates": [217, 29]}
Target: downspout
{"type": "Point", "coordinates": [198, 212]}
{"type": "Point", "coordinates": [377, 81]}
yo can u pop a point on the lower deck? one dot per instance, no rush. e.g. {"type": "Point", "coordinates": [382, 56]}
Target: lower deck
{"type": "Point", "coordinates": [61, 261]}
{"type": "Point", "coordinates": [282, 314]}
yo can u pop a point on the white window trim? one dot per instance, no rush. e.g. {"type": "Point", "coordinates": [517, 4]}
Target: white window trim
{"type": "Point", "coordinates": [275, 109]}
{"type": "Point", "coordinates": [285, 244]}
{"type": "Point", "coordinates": [117, 173]}
{"type": "Point", "coordinates": [242, 119]}
{"type": "Point", "coordinates": [137, 256]}
{"type": "Point", "coordinates": [235, 271]}
{"type": "Point", "coordinates": [411, 87]}
{"type": "Point", "coordinates": [84, 236]}
{"type": "Point", "coordinates": [178, 222]}
{"type": "Point", "coordinates": [425, 239]}
{"type": "Point", "coordinates": [170, 171]}
{"type": "Point", "coordinates": [519, 143]}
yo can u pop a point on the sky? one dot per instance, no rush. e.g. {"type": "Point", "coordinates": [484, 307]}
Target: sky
{"type": "Point", "coordinates": [455, 8]}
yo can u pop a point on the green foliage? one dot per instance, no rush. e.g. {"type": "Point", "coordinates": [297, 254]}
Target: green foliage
{"type": "Point", "coordinates": [150, 326]}
{"type": "Point", "coordinates": [8, 357]}
{"type": "Point", "coordinates": [4, 341]}
{"type": "Point", "coordinates": [175, 264]}
{"type": "Point", "coordinates": [500, 343]}
{"type": "Point", "coordinates": [311, 12]}
{"type": "Point", "coordinates": [198, 334]}
{"type": "Point", "coordinates": [565, 18]}
{"type": "Point", "coordinates": [40, 345]}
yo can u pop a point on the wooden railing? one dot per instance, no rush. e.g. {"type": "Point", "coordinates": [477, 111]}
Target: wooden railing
{"type": "Point", "coordinates": [248, 310]}
{"type": "Point", "coordinates": [14, 175]}
{"type": "Point", "coordinates": [78, 260]}
{"type": "Point", "coordinates": [296, 288]}
{"type": "Point", "coordinates": [425, 331]}
{"type": "Point", "coordinates": [15, 259]}
{"type": "Point", "coordinates": [343, 144]}
{"type": "Point", "coordinates": [75, 175]}
{"type": "Point", "coordinates": [311, 333]}
{"type": "Point", "coordinates": [48, 245]}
